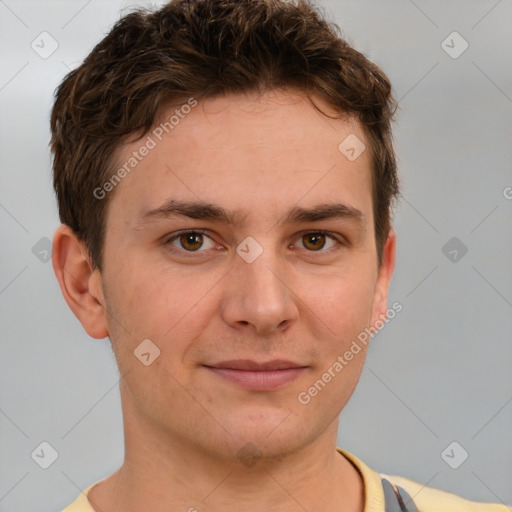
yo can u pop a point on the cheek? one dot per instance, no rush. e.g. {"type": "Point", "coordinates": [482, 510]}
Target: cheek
{"type": "Point", "coordinates": [342, 311]}
{"type": "Point", "coordinates": [170, 308]}
{"type": "Point", "coordinates": [343, 301]}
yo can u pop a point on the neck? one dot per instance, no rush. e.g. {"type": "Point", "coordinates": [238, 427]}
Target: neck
{"type": "Point", "coordinates": [161, 471]}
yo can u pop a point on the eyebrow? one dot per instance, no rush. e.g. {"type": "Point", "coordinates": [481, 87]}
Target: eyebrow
{"type": "Point", "coordinates": [207, 211]}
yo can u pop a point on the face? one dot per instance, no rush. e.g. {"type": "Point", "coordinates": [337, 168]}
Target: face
{"type": "Point", "coordinates": [242, 245]}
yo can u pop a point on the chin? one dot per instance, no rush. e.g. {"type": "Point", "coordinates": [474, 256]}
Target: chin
{"type": "Point", "coordinates": [266, 438]}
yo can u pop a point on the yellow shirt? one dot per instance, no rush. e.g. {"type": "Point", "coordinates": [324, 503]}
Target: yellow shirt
{"type": "Point", "coordinates": [426, 499]}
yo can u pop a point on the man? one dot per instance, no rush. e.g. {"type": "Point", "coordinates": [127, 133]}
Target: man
{"type": "Point", "coordinates": [225, 178]}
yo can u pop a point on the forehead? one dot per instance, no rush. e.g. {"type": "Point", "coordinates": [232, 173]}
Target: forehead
{"type": "Point", "coordinates": [239, 125]}
{"type": "Point", "coordinates": [247, 151]}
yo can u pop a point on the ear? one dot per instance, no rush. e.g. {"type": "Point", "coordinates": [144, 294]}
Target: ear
{"type": "Point", "coordinates": [380, 298]}
{"type": "Point", "coordinates": [80, 285]}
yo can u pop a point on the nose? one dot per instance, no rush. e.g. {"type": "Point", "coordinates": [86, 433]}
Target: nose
{"type": "Point", "coordinates": [260, 295]}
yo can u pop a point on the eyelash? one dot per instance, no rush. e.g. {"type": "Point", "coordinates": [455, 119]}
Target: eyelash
{"type": "Point", "coordinates": [341, 241]}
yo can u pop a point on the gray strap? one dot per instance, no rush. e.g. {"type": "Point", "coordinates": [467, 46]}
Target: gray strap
{"type": "Point", "coordinates": [397, 499]}
{"type": "Point", "coordinates": [407, 500]}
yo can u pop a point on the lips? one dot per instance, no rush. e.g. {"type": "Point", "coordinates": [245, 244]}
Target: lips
{"type": "Point", "coordinates": [247, 364]}
{"type": "Point", "coordinates": [254, 376]}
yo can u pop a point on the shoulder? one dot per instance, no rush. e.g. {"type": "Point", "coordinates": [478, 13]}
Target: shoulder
{"type": "Point", "coordinates": [81, 504]}
{"type": "Point", "coordinates": [429, 499]}
{"type": "Point", "coordinates": [426, 499]}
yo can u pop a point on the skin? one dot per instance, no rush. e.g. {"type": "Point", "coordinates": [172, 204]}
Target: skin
{"type": "Point", "coordinates": [299, 300]}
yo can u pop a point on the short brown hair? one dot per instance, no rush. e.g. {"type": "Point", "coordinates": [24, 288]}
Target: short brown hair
{"type": "Point", "coordinates": [203, 49]}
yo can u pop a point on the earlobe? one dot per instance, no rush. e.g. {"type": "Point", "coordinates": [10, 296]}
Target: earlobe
{"type": "Point", "coordinates": [386, 269]}
{"type": "Point", "coordinates": [80, 284]}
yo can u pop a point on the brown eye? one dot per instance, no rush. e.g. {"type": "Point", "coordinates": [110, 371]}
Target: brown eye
{"type": "Point", "coordinates": [320, 241]}
{"type": "Point", "coordinates": [191, 241]}
{"type": "Point", "coordinates": [314, 241]}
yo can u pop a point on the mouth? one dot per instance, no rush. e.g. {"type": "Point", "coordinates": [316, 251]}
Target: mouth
{"type": "Point", "coordinates": [255, 376]}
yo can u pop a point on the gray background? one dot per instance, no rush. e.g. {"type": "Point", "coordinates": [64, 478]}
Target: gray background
{"type": "Point", "coordinates": [439, 372]}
